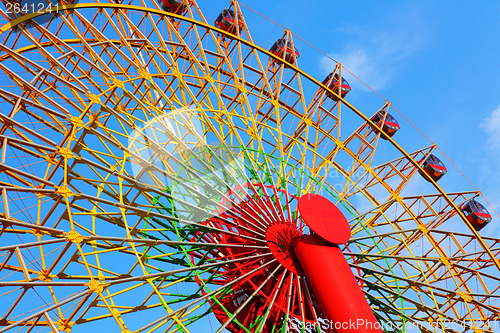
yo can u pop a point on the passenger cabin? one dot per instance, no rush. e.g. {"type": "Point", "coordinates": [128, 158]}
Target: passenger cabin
{"type": "Point", "coordinates": [179, 7]}
{"type": "Point", "coordinates": [476, 213]}
{"type": "Point", "coordinates": [332, 82]}
{"type": "Point", "coordinates": [226, 21]}
{"type": "Point", "coordinates": [281, 47]}
{"type": "Point", "coordinates": [390, 125]}
{"type": "Point", "coordinates": [433, 168]}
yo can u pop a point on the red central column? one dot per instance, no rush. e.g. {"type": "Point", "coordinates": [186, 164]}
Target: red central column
{"type": "Point", "coordinates": [327, 271]}
{"type": "Point", "coordinates": [337, 290]}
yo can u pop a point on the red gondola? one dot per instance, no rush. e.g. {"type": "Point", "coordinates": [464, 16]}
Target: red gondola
{"type": "Point", "coordinates": [174, 6]}
{"type": "Point", "coordinates": [476, 213]}
{"type": "Point", "coordinates": [433, 168]}
{"type": "Point", "coordinates": [390, 125]}
{"type": "Point", "coordinates": [226, 21]}
{"type": "Point", "coordinates": [281, 46]}
{"type": "Point", "coordinates": [333, 84]}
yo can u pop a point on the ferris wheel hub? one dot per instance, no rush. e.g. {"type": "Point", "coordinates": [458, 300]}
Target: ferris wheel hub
{"type": "Point", "coordinates": [280, 239]}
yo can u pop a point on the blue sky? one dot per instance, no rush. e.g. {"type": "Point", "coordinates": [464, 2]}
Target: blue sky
{"type": "Point", "coordinates": [436, 62]}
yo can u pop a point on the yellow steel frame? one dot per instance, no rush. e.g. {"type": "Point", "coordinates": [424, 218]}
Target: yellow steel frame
{"type": "Point", "coordinates": [280, 122]}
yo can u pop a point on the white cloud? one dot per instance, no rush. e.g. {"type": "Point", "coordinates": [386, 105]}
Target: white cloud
{"type": "Point", "coordinates": [491, 125]}
{"type": "Point", "coordinates": [376, 54]}
{"type": "Point", "coordinates": [361, 64]}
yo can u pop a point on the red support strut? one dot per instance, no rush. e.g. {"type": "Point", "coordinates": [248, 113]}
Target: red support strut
{"type": "Point", "coordinates": [335, 287]}
{"type": "Point", "coordinates": [327, 271]}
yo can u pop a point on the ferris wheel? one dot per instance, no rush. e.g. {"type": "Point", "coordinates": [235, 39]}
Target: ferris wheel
{"type": "Point", "coordinates": [163, 172]}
